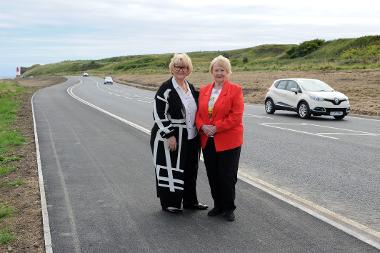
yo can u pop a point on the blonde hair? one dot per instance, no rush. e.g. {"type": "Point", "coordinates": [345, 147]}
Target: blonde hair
{"type": "Point", "coordinates": [223, 62]}
{"type": "Point", "coordinates": [181, 58]}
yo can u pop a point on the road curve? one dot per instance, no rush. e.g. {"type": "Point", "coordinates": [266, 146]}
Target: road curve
{"type": "Point", "coordinates": [99, 184]}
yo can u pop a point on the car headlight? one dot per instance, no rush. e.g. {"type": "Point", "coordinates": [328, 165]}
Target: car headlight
{"type": "Point", "coordinates": [316, 98]}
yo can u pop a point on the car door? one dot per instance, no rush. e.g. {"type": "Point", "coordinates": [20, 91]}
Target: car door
{"type": "Point", "coordinates": [281, 94]}
{"type": "Point", "coordinates": [292, 97]}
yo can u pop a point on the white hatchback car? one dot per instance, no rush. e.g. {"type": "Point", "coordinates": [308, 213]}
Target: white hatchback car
{"type": "Point", "coordinates": [306, 97]}
{"type": "Point", "coordinates": [108, 80]}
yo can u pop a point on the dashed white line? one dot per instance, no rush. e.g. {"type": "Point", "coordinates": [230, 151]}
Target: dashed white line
{"type": "Point", "coordinates": [248, 115]}
{"type": "Point", "coordinates": [298, 131]}
{"type": "Point", "coordinates": [363, 118]}
{"type": "Point", "coordinates": [320, 134]}
{"type": "Point", "coordinates": [119, 95]}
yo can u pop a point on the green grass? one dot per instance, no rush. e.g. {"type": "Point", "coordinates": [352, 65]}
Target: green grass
{"type": "Point", "coordinates": [5, 211]}
{"type": "Point", "coordinates": [9, 105]}
{"type": "Point", "coordinates": [6, 236]}
{"type": "Point", "coordinates": [6, 170]}
{"type": "Point", "coordinates": [16, 183]}
{"type": "Point", "coordinates": [7, 159]}
{"type": "Point", "coordinates": [346, 54]}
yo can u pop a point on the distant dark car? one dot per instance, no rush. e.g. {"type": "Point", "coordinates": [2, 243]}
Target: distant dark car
{"type": "Point", "coordinates": [108, 80]}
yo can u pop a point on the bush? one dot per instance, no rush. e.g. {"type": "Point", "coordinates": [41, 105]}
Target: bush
{"type": "Point", "coordinates": [227, 55]}
{"type": "Point", "coordinates": [305, 48]}
{"type": "Point", "coordinates": [370, 54]}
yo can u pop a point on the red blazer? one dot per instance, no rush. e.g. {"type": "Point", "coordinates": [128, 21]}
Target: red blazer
{"type": "Point", "coordinates": [227, 116]}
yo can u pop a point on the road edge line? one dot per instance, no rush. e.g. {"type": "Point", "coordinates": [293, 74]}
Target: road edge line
{"type": "Point", "coordinates": [353, 228]}
{"type": "Point", "coordinates": [44, 210]}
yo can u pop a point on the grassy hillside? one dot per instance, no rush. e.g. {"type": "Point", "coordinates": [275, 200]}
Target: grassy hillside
{"type": "Point", "coordinates": [358, 53]}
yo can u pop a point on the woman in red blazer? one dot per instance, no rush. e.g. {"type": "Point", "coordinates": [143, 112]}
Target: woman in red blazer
{"type": "Point", "coordinates": [220, 123]}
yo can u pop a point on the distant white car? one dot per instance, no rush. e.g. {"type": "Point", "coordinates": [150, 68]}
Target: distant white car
{"type": "Point", "coordinates": [306, 97]}
{"type": "Point", "coordinates": [85, 74]}
{"type": "Point", "coordinates": [108, 80]}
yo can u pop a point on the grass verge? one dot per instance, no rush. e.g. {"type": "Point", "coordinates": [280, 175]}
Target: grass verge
{"type": "Point", "coordinates": [10, 139]}
{"type": "Point", "coordinates": [21, 223]}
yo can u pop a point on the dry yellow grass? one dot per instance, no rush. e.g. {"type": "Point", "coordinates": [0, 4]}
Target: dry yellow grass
{"type": "Point", "coordinates": [362, 87]}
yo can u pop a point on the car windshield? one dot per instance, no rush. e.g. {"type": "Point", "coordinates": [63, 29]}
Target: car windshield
{"type": "Point", "coordinates": [314, 85]}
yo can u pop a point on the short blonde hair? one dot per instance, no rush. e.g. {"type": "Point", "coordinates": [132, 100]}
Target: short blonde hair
{"type": "Point", "coordinates": [179, 58]}
{"type": "Point", "coordinates": [222, 61]}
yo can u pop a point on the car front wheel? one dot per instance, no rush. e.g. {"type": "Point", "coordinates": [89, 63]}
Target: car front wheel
{"type": "Point", "coordinates": [304, 110]}
{"type": "Point", "coordinates": [269, 106]}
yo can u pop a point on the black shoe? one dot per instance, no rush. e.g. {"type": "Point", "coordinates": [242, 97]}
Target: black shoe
{"type": "Point", "coordinates": [172, 209]}
{"type": "Point", "coordinates": [229, 215]}
{"type": "Point", "coordinates": [198, 206]}
{"type": "Point", "coordinates": [215, 211]}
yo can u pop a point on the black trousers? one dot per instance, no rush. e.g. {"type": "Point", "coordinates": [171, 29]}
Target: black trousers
{"type": "Point", "coordinates": [191, 171]}
{"type": "Point", "coordinates": [222, 170]}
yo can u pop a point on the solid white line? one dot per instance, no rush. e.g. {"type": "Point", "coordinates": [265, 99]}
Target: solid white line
{"type": "Point", "coordinates": [348, 226]}
{"type": "Point", "coordinates": [353, 228]}
{"type": "Point", "coordinates": [70, 92]}
{"type": "Point", "coordinates": [45, 215]}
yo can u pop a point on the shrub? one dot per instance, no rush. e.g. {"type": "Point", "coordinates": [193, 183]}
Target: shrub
{"type": "Point", "coordinates": [305, 48]}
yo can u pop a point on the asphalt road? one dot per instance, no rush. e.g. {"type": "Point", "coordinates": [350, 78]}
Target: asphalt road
{"type": "Point", "coordinates": [99, 179]}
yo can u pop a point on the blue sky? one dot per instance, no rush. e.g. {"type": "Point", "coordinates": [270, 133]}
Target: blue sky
{"type": "Point", "coordinates": [41, 31]}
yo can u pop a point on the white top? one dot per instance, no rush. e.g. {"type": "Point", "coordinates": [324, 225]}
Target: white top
{"type": "Point", "coordinates": [190, 108]}
{"type": "Point", "coordinates": [214, 96]}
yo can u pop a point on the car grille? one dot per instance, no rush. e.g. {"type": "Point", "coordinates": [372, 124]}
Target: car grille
{"type": "Point", "coordinates": [335, 101]}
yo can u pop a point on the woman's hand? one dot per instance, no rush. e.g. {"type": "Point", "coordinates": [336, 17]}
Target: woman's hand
{"type": "Point", "coordinates": [209, 130]}
{"type": "Point", "coordinates": [172, 143]}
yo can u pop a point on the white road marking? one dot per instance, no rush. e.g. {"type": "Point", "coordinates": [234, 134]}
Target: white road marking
{"type": "Point", "coordinates": [353, 228]}
{"type": "Point", "coordinates": [349, 134]}
{"type": "Point", "coordinates": [44, 210]}
{"type": "Point", "coordinates": [320, 134]}
{"type": "Point", "coordinates": [144, 101]}
{"type": "Point", "coordinates": [111, 93]}
{"type": "Point", "coordinates": [363, 118]}
{"type": "Point", "coordinates": [248, 115]}
{"type": "Point", "coordinates": [73, 226]}
{"type": "Point", "coordinates": [297, 131]}
{"type": "Point", "coordinates": [111, 88]}
{"type": "Point", "coordinates": [120, 95]}
{"type": "Point", "coordinates": [70, 92]}
{"type": "Point", "coordinates": [337, 128]}
{"type": "Point", "coordinates": [354, 117]}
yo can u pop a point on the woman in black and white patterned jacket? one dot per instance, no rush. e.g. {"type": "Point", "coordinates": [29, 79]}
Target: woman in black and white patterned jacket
{"type": "Point", "coordinates": [174, 139]}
